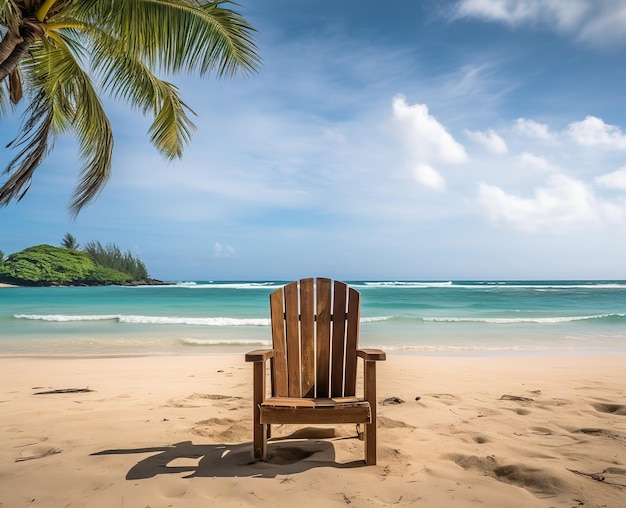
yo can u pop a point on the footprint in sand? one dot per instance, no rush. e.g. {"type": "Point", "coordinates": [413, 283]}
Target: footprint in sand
{"type": "Point", "coordinates": [536, 481]}
{"type": "Point", "coordinates": [37, 452]}
{"type": "Point", "coordinates": [481, 439]}
{"type": "Point", "coordinates": [224, 429]}
{"type": "Point", "coordinates": [211, 396]}
{"type": "Point", "coordinates": [446, 398]}
{"type": "Point", "coordinates": [289, 455]}
{"type": "Point", "coordinates": [615, 409]}
{"type": "Point", "coordinates": [555, 402]}
{"type": "Point", "coordinates": [543, 431]}
{"type": "Point", "coordinates": [600, 433]}
{"type": "Point", "coordinates": [188, 402]}
{"type": "Point", "coordinates": [388, 423]}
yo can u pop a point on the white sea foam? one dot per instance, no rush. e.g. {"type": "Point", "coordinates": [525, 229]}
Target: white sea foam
{"type": "Point", "coordinates": [227, 285]}
{"type": "Point", "coordinates": [224, 342]}
{"type": "Point", "coordinates": [544, 320]}
{"type": "Point", "coordinates": [540, 287]}
{"type": "Point", "coordinates": [482, 285]}
{"type": "Point", "coordinates": [211, 285]}
{"type": "Point", "coordinates": [155, 320]}
{"type": "Point", "coordinates": [62, 318]}
{"type": "Point", "coordinates": [166, 320]}
{"type": "Point", "coordinates": [375, 319]}
{"type": "Point", "coordinates": [198, 321]}
{"type": "Point", "coordinates": [403, 284]}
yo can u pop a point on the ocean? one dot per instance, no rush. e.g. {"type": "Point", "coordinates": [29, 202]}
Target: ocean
{"type": "Point", "coordinates": [443, 318]}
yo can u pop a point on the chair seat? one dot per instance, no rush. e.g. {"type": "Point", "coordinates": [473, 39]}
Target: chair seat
{"type": "Point", "coordinates": [321, 410]}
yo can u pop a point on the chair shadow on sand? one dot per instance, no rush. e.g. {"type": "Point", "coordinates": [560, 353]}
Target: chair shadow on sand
{"type": "Point", "coordinates": [287, 455]}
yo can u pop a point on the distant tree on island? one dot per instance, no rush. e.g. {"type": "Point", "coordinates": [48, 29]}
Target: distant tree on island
{"type": "Point", "coordinates": [69, 242]}
{"type": "Point", "coordinates": [112, 257]}
{"type": "Point", "coordinates": [60, 54]}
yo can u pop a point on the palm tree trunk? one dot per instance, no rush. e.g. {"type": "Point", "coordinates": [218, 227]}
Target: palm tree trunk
{"type": "Point", "coordinates": [8, 43]}
{"type": "Point", "coordinates": [13, 49]}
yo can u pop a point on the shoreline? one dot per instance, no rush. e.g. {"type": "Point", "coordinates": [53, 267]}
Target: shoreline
{"type": "Point", "coordinates": [461, 444]}
{"type": "Point", "coordinates": [542, 354]}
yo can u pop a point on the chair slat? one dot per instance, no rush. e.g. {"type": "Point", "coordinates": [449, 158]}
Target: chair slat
{"type": "Point", "coordinates": [292, 327]}
{"type": "Point", "coordinates": [279, 364]}
{"type": "Point", "coordinates": [323, 309]}
{"type": "Point", "coordinates": [307, 336]}
{"type": "Point", "coordinates": [338, 339]}
{"type": "Point", "coordinates": [352, 338]}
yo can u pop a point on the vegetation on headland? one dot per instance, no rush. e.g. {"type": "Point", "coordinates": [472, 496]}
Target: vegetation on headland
{"type": "Point", "coordinates": [46, 265]}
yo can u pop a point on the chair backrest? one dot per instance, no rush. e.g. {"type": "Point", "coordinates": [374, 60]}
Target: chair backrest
{"type": "Point", "coordinates": [315, 330]}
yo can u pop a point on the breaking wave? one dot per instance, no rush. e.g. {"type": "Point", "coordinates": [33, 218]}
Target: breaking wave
{"type": "Point", "coordinates": [506, 321]}
{"type": "Point", "coordinates": [164, 320]}
{"type": "Point", "coordinates": [225, 342]}
{"type": "Point", "coordinates": [150, 320]}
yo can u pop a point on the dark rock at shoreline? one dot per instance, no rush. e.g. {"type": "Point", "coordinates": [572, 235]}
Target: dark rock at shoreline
{"type": "Point", "coordinates": [145, 282]}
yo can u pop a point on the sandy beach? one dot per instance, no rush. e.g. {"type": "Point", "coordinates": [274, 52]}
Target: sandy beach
{"type": "Point", "coordinates": [176, 432]}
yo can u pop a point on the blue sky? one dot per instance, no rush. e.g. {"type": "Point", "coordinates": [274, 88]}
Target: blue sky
{"type": "Point", "coordinates": [433, 140]}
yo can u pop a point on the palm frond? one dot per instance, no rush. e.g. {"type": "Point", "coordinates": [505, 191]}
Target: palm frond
{"type": "Point", "coordinates": [10, 14]}
{"type": "Point", "coordinates": [4, 97]}
{"type": "Point", "coordinates": [126, 41]}
{"type": "Point", "coordinates": [126, 77]}
{"type": "Point", "coordinates": [172, 128]}
{"type": "Point", "coordinates": [55, 70]}
{"type": "Point", "coordinates": [236, 41]}
{"type": "Point", "coordinates": [35, 142]}
{"type": "Point", "coordinates": [177, 35]}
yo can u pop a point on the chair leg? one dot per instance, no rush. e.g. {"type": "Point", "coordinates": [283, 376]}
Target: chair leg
{"type": "Point", "coordinates": [370, 428]}
{"type": "Point", "coordinates": [370, 444]}
{"type": "Point", "coordinates": [260, 441]}
{"type": "Point", "coordinates": [261, 430]}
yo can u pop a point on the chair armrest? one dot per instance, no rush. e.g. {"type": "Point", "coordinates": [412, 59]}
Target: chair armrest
{"type": "Point", "coordinates": [259, 355]}
{"type": "Point", "coordinates": [371, 354]}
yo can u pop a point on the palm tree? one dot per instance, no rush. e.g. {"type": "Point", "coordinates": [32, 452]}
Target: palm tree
{"type": "Point", "coordinates": [59, 53]}
{"type": "Point", "coordinates": [69, 242]}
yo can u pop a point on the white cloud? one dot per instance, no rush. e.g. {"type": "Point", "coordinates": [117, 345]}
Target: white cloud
{"type": "Point", "coordinates": [427, 142]}
{"type": "Point", "coordinates": [429, 177]}
{"type": "Point", "coordinates": [562, 202]}
{"type": "Point", "coordinates": [564, 14]}
{"type": "Point", "coordinates": [533, 129]}
{"type": "Point", "coordinates": [536, 162]}
{"type": "Point", "coordinates": [223, 251]}
{"type": "Point", "coordinates": [607, 26]}
{"type": "Point", "coordinates": [490, 140]}
{"type": "Point", "coordinates": [614, 180]}
{"type": "Point", "coordinates": [597, 22]}
{"type": "Point", "coordinates": [592, 131]}
{"type": "Point", "coordinates": [427, 138]}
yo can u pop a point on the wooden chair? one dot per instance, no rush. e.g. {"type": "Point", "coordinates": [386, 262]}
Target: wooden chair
{"type": "Point", "coordinates": [315, 329]}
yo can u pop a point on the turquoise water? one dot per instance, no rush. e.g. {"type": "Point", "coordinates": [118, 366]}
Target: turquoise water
{"type": "Point", "coordinates": [460, 317]}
